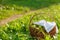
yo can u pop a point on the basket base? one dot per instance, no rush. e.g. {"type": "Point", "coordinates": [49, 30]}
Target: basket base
{"type": "Point", "coordinates": [36, 33]}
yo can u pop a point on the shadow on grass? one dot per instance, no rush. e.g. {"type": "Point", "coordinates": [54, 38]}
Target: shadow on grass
{"type": "Point", "coordinates": [32, 4]}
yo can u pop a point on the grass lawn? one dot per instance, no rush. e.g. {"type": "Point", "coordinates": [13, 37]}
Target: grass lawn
{"type": "Point", "coordinates": [7, 11]}
{"type": "Point", "coordinates": [19, 28]}
{"type": "Point", "coordinates": [11, 7]}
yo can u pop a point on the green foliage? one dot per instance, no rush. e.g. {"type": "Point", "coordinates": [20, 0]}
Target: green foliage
{"type": "Point", "coordinates": [11, 7]}
{"type": "Point", "coordinates": [19, 28]}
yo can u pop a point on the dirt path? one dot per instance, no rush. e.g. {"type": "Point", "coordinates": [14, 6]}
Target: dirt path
{"type": "Point", "coordinates": [2, 22]}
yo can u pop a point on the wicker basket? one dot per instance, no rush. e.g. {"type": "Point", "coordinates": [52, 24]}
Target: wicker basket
{"type": "Point", "coordinates": [37, 33]}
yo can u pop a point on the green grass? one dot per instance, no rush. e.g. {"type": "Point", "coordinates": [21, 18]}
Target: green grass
{"type": "Point", "coordinates": [11, 7]}
{"type": "Point", "coordinates": [7, 11]}
{"type": "Point", "coordinates": [19, 28]}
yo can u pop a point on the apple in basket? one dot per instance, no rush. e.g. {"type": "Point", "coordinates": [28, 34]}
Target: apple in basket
{"type": "Point", "coordinates": [49, 27]}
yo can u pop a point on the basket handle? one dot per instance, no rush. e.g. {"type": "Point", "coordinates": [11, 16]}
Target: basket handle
{"type": "Point", "coordinates": [31, 19]}
{"type": "Point", "coordinates": [42, 16]}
